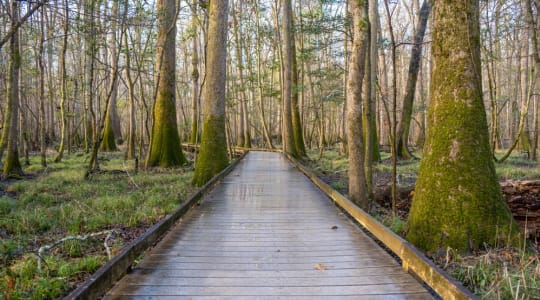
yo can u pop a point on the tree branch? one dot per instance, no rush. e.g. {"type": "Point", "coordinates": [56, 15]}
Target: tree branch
{"type": "Point", "coordinates": [21, 21]}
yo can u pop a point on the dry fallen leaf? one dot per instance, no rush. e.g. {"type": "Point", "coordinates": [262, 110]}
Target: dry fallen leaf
{"type": "Point", "coordinates": [321, 267]}
{"type": "Point", "coordinates": [334, 227]}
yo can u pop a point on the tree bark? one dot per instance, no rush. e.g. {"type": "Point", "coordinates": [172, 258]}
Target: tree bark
{"type": "Point", "coordinates": [165, 148]}
{"type": "Point", "coordinates": [213, 152]}
{"type": "Point", "coordinates": [457, 201]}
{"type": "Point", "coordinates": [295, 107]}
{"type": "Point", "coordinates": [286, 105]}
{"type": "Point", "coordinates": [357, 180]}
{"type": "Point", "coordinates": [12, 165]}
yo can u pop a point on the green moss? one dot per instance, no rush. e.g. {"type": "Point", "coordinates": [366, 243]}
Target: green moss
{"type": "Point", "coordinates": [166, 150]}
{"type": "Point", "coordinates": [108, 143]}
{"type": "Point", "coordinates": [12, 165]}
{"type": "Point", "coordinates": [213, 153]}
{"type": "Point", "coordinates": [458, 202]}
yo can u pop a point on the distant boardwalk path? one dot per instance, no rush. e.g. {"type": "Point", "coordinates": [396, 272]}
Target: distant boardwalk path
{"type": "Point", "coordinates": [266, 232]}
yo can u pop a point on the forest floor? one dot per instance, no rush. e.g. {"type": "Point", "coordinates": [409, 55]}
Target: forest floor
{"type": "Point", "coordinates": [116, 204]}
{"type": "Point", "coordinates": [493, 273]}
{"type": "Point", "coordinates": [119, 204]}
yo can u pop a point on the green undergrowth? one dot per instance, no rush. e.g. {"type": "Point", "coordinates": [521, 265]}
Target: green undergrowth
{"type": "Point", "coordinates": [335, 164]}
{"type": "Point", "coordinates": [503, 273]}
{"type": "Point", "coordinates": [55, 202]}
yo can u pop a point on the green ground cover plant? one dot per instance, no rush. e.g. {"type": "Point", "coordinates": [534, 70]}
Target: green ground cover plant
{"type": "Point", "coordinates": [56, 202]}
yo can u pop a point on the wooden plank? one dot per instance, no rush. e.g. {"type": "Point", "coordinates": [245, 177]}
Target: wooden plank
{"type": "Point", "coordinates": [195, 291]}
{"type": "Point", "coordinates": [413, 260]}
{"type": "Point", "coordinates": [416, 296]}
{"type": "Point", "coordinates": [271, 282]}
{"type": "Point", "coordinates": [263, 258]}
{"type": "Point", "coordinates": [158, 272]}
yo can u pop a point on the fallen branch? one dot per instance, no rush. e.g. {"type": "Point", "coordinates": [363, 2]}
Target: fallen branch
{"type": "Point", "coordinates": [42, 249]}
{"type": "Point", "coordinates": [130, 178]}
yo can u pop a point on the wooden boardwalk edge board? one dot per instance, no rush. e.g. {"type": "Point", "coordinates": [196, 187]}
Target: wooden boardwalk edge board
{"type": "Point", "coordinates": [105, 277]}
{"type": "Point", "coordinates": [413, 260]}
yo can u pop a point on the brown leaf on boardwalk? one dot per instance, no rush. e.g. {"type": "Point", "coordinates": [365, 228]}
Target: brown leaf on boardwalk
{"type": "Point", "coordinates": [334, 227]}
{"type": "Point", "coordinates": [321, 267]}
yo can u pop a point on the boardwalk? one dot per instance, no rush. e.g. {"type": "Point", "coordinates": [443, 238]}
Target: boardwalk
{"type": "Point", "coordinates": [266, 232]}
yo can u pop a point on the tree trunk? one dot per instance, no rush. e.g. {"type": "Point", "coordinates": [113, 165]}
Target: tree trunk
{"type": "Point", "coordinates": [12, 165]}
{"type": "Point", "coordinates": [286, 101]}
{"type": "Point", "coordinates": [63, 87]}
{"type": "Point", "coordinates": [457, 201]}
{"type": "Point", "coordinates": [90, 52]}
{"type": "Point", "coordinates": [165, 148]}
{"type": "Point", "coordinates": [357, 180]}
{"type": "Point", "coordinates": [243, 138]}
{"type": "Point", "coordinates": [410, 90]}
{"type": "Point", "coordinates": [295, 86]}
{"type": "Point", "coordinates": [42, 117]}
{"type": "Point", "coordinates": [194, 138]}
{"type": "Point", "coordinates": [213, 152]}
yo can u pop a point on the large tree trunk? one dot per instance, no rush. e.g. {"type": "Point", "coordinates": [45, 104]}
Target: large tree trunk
{"type": "Point", "coordinates": [286, 36]}
{"type": "Point", "coordinates": [457, 201]}
{"type": "Point", "coordinates": [165, 148]}
{"type": "Point", "coordinates": [213, 152]}
{"type": "Point", "coordinates": [12, 165]}
{"type": "Point", "coordinates": [410, 90]}
{"type": "Point", "coordinates": [357, 179]}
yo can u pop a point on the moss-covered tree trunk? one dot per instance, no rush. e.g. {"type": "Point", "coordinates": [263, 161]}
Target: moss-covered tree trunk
{"type": "Point", "coordinates": [298, 131]}
{"type": "Point", "coordinates": [213, 152]}
{"type": "Point", "coordinates": [357, 63]}
{"type": "Point", "coordinates": [458, 201]}
{"type": "Point", "coordinates": [12, 165]}
{"type": "Point", "coordinates": [165, 148]}
{"type": "Point", "coordinates": [286, 92]}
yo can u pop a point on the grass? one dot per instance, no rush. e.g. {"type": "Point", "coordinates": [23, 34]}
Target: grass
{"type": "Point", "coordinates": [498, 273]}
{"type": "Point", "coordinates": [503, 273]}
{"type": "Point", "coordinates": [57, 201]}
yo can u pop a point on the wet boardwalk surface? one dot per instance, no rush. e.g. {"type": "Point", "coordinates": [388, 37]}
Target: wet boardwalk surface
{"type": "Point", "coordinates": [266, 232]}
